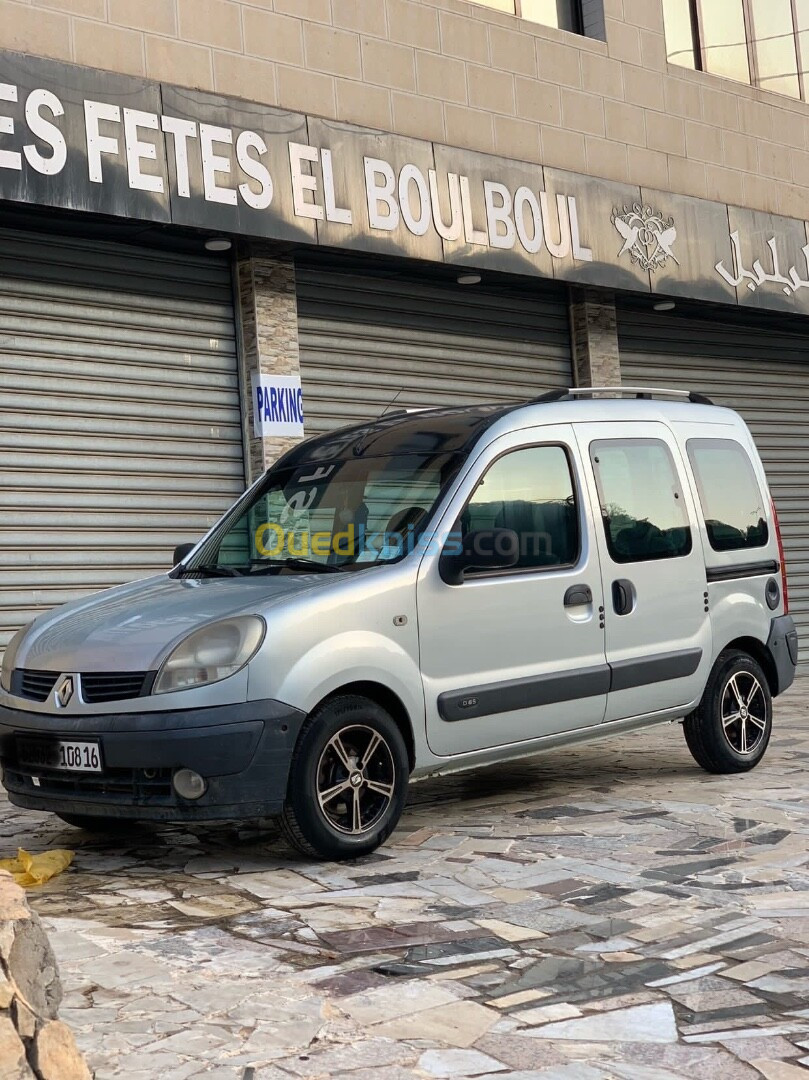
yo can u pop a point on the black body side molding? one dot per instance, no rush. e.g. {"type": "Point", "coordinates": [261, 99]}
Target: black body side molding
{"type": "Point", "coordinates": [517, 694]}
{"type": "Point", "coordinates": [742, 570]}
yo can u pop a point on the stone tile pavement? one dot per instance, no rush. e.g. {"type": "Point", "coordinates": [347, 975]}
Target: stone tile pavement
{"type": "Point", "coordinates": [608, 911]}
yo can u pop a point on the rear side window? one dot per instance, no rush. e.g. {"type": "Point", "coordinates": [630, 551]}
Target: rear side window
{"type": "Point", "coordinates": [729, 493]}
{"type": "Point", "coordinates": [641, 500]}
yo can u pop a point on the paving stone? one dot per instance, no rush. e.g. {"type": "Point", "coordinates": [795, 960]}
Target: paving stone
{"type": "Point", "coordinates": [779, 1070]}
{"type": "Point", "coordinates": [460, 1024]}
{"type": "Point", "coordinates": [457, 1063]}
{"type": "Point", "coordinates": [643, 1023]}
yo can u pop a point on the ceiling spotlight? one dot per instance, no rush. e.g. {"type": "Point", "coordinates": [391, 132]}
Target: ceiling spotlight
{"type": "Point", "coordinates": [218, 243]}
{"type": "Point", "coordinates": [468, 279]}
{"type": "Point", "coordinates": [665, 305]}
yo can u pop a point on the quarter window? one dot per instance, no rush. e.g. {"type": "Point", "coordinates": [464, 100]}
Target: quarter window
{"type": "Point", "coordinates": [532, 492]}
{"type": "Point", "coordinates": [641, 500]}
{"type": "Point", "coordinates": [729, 494]}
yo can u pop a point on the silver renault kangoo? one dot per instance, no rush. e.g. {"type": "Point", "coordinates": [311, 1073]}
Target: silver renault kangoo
{"type": "Point", "coordinates": [438, 590]}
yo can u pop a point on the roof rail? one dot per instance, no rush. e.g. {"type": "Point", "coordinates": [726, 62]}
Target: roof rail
{"type": "Point", "coordinates": [624, 391]}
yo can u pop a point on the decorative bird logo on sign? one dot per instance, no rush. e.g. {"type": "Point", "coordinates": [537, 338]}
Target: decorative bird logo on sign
{"type": "Point", "coordinates": [648, 236]}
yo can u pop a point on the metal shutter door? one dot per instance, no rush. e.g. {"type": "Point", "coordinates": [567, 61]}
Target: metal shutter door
{"type": "Point", "coordinates": [120, 427]}
{"type": "Point", "coordinates": [367, 340]}
{"type": "Point", "coordinates": [764, 375]}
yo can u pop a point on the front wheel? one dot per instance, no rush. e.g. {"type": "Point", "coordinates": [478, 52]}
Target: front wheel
{"type": "Point", "coordinates": [730, 728]}
{"type": "Point", "coordinates": [348, 780]}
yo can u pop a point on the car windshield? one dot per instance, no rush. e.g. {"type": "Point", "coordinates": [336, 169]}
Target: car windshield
{"type": "Point", "coordinates": [328, 516]}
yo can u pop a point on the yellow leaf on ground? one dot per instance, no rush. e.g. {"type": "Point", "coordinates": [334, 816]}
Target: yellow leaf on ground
{"type": "Point", "coordinates": [32, 870]}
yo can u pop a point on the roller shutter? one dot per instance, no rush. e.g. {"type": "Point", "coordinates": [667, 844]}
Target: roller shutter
{"type": "Point", "coordinates": [762, 371]}
{"type": "Point", "coordinates": [120, 429]}
{"type": "Point", "coordinates": [369, 342]}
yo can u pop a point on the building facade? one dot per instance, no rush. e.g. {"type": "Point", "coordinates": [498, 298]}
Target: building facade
{"type": "Point", "coordinates": [228, 223]}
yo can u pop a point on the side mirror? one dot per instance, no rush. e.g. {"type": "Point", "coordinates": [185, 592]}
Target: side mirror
{"type": "Point", "coordinates": [181, 552]}
{"type": "Point", "coordinates": [484, 549]}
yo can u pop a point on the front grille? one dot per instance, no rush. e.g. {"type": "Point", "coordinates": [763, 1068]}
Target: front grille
{"type": "Point", "coordinates": [37, 685]}
{"type": "Point", "coordinates": [97, 687]}
{"type": "Point", "coordinates": [138, 786]}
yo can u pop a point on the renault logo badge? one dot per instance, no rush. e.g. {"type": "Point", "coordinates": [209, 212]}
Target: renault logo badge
{"type": "Point", "coordinates": [64, 691]}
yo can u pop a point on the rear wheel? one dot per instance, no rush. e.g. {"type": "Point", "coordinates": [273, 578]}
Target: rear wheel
{"type": "Point", "coordinates": [348, 780]}
{"type": "Point", "coordinates": [730, 728]}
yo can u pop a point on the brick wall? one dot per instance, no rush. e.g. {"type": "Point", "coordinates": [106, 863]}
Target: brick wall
{"type": "Point", "coordinates": [457, 72]}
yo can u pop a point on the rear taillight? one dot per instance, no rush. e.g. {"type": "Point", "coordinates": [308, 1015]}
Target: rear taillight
{"type": "Point", "coordinates": [781, 558]}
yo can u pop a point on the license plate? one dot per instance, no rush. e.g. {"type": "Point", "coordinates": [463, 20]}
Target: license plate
{"type": "Point", "coordinates": [61, 754]}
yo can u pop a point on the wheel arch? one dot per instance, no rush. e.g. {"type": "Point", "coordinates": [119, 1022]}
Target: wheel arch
{"type": "Point", "coordinates": [760, 653]}
{"type": "Point", "coordinates": [388, 700]}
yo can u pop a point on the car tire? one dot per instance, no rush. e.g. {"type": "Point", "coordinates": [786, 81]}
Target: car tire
{"type": "Point", "coordinates": [730, 729]}
{"type": "Point", "coordinates": [348, 780]}
{"type": "Point", "coordinates": [93, 824]}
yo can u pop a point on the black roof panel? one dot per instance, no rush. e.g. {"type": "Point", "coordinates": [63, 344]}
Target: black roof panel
{"type": "Point", "coordinates": [425, 431]}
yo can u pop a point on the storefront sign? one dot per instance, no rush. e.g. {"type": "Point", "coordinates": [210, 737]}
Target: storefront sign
{"type": "Point", "coordinates": [277, 405]}
{"type": "Point", "coordinates": [110, 144]}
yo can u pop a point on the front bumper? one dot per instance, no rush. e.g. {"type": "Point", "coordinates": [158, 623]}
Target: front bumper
{"type": "Point", "coordinates": [243, 751]}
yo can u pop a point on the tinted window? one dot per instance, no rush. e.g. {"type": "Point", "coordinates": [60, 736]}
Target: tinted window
{"type": "Point", "coordinates": [729, 494]}
{"type": "Point", "coordinates": [641, 500]}
{"type": "Point", "coordinates": [530, 491]}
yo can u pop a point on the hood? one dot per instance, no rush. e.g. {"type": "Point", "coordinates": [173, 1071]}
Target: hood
{"type": "Point", "coordinates": [129, 627]}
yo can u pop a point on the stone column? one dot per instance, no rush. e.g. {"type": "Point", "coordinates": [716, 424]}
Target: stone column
{"type": "Point", "coordinates": [596, 361]}
{"type": "Point", "coordinates": [268, 312]}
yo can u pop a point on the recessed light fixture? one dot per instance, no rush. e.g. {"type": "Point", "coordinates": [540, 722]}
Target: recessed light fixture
{"type": "Point", "coordinates": [665, 305]}
{"type": "Point", "coordinates": [218, 243]}
{"type": "Point", "coordinates": [469, 279]}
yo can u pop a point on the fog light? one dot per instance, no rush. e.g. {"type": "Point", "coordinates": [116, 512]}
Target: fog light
{"type": "Point", "coordinates": [189, 784]}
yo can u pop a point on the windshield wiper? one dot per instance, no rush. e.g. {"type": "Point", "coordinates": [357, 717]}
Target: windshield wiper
{"type": "Point", "coordinates": [212, 571]}
{"type": "Point", "coordinates": [265, 567]}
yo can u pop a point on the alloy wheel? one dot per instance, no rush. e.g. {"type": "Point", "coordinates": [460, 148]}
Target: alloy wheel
{"type": "Point", "coordinates": [356, 778]}
{"type": "Point", "coordinates": [744, 712]}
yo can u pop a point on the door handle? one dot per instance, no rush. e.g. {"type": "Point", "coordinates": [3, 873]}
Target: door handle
{"type": "Point", "coordinates": [577, 595]}
{"type": "Point", "coordinates": [623, 596]}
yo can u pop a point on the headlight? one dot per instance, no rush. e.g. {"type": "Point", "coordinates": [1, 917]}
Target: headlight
{"type": "Point", "coordinates": [211, 654]}
{"type": "Point", "coordinates": [10, 656]}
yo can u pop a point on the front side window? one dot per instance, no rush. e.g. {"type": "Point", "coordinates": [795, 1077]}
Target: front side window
{"type": "Point", "coordinates": [729, 494]}
{"type": "Point", "coordinates": [532, 492]}
{"type": "Point", "coordinates": [329, 515]}
{"type": "Point", "coordinates": [641, 500]}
